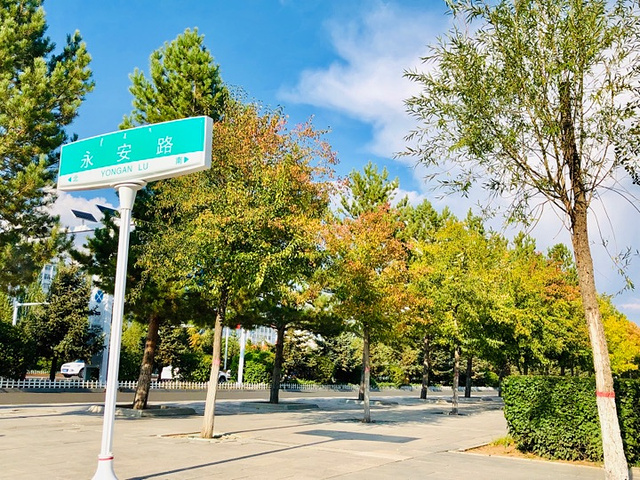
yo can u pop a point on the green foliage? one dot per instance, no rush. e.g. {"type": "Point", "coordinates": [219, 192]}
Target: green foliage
{"type": "Point", "coordinates": [490, 379]}
{"type": "Point", "coordinates": [61, 329]}
{"type": "Point", "coordinates": [173, 345]}
{"type": "Point", "coordinates": [396, 364]}
{"type": "Point", "coordinates": [6, 308]}
{"type": "Point", "coordinates": [492, 100]}
{"type": "Point", "coordinates": [197, 368]}
{"type": "Point", "coordinates": [554, 417]}
{"type": "Point", "coordinates": [129, 368]}
{"type": "Point", "coordinates": [303, 359]}
{"type": "Point", "coordinates": [345, 354]}
{"type": "Point", "coordinates": [367, 191]}
{"type": "Point", "coordinates": [628, 400]}
{"type": "Point", "coordinates": [131, 350]}
{"type": "Point", "coordinates": [40, 93]}
{"type": "Point", "coordinates": [557, 417]}
{"type": "Point", "coordinates": [242, 224]}
{"type": "Point", "coordinates": [16, 351]}
{"type": "Point", "coordinates": [256, 372]}
{"type": "Point", "coordinates": [184, 82]}
{"type": "Point", "coordinates": [258, 365]}
{"type": "Point", "coordinates": [623, 340]}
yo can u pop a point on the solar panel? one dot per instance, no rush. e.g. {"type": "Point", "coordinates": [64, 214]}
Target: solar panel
{"type": "Point", "coordinates": [111, 211]}
{"type": "Point", "coordinates": [84, 215]}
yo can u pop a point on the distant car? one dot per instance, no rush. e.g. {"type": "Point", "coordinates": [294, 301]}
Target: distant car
{"type": "Point", "coordinates": [168, 373]}
{"type": "Point", "coordinates": [223, 376]}
{"type": "Point", "coordinates": [73, 368]}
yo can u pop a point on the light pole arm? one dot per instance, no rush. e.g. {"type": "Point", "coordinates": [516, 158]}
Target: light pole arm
{"type": "Point", "coordinates": [16, 305]}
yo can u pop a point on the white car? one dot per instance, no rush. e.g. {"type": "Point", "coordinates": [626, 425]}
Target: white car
{"type": "Point", "coordinates": [73, 368]}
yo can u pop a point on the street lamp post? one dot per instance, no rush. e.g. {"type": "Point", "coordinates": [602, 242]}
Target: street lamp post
{"type": "Point", "coordinates": [17, 305]}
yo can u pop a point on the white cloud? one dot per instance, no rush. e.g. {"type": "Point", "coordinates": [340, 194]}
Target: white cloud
{"type": "Point", "coordinates": [415, 198]}
{"type": "Point", "coordinates": [635, 307]}
{"type": "Point", "coordinates": [67, 202]}
{"type": "Point", "coordinates": [367, 82]}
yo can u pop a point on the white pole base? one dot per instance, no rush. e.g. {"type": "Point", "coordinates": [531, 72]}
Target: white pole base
{"type": "Point", "coordinates": [105, 469]}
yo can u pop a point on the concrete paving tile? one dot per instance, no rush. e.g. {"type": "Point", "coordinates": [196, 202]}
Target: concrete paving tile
{"type": "Point", "coordinates": [408, 440]}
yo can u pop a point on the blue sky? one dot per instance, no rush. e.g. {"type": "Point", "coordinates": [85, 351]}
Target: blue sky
{"type": "Point", "coordinates": [341, 62]}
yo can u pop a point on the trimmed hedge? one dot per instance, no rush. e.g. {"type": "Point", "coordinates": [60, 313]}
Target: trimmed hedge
{"type": "Point", "coordinates": [628, 403]}
{"type": "Point", "coordinates": [557, 417]}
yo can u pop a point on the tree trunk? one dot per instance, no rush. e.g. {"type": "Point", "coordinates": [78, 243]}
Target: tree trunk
{"type": "Point", "coordinates": [456, 380]}
{"type": "Point", "coordinates": [212, 389]}
{"type": "Point", "coordinates": [503, 373]}
{"type": "Point", "coordinates": [361, 389]}
{"type": "Point", "coordinates": [367, 376]}
{"type": "Point", "coordinates": [615, 463]}
{"type": "Point", "coordinates": [277, 365]}
{"type": "Point", "coordinates": [144, 379]}
{"type": "Point", "coordinates": [426, 366]}
{"type": "Point", "coordinates": [54, 367]}
{"type": "Point", "coordinates": [467, 386]}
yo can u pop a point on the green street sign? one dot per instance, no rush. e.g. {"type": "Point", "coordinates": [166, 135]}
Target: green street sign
{"type": "Point", "coordinates": [148, 153]}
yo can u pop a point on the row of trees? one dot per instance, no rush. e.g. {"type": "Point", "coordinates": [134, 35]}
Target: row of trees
{"type": "Point", "coordinates": [539, 100]}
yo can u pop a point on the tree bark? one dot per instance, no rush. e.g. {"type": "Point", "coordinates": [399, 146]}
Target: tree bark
{"type": "Point", "coordinates": [467, 386]}
{"type": "Point", "coordinates": [426, 367]}
{"type": "Point", "coordinates": [615, 463]}
{"type": "Point", "coordinates": [366, 367]}
{"type": "Point", "coordinates": [277, 365]}
{"type": "Point", "coordinates": [212, 389]}
{"type": "Point", "coordinates": [502, 373]}
{"type": "Point", "coordinates": [146, 369]}
{"type": "Point", "coordinates": [361, 389]}
{"type": "Point", "coordinates": [456, 380]}
{"type": "Point", "coordinates": [53, 368]}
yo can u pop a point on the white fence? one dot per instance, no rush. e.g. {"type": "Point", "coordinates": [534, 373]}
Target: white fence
{"type": "Point", "coordinates": [77, 384]}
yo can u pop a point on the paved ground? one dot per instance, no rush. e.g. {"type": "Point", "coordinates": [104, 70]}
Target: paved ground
{"type": "Point", "coordinates": [408, 439]}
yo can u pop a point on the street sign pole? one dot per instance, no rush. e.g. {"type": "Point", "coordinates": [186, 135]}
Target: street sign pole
{"type": "Point", "coordinates": [127, 160]}
{"type": "Point", "coordinates": [127, 193]}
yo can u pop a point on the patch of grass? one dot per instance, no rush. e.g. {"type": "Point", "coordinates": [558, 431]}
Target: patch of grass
{"type": "Point", "coordinates": [506, 441]}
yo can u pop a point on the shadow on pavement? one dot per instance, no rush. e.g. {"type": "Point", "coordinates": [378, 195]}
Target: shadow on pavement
{"type": "Point", "coordinates": [366, 437]}
{"type": "Point", "coordinates": [228, 460]}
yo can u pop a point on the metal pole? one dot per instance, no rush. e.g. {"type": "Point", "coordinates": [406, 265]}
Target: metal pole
{"type": "Point", "coordinates": [241, 362]}
{"type": "Point", "coordinates": [226, 346]}
{"type": "Point", "coordinates": [106, 329]}
{"type": "Point", "coordinates": [127, 193]}
{"type": "Point", "coordinates": [16, 305]}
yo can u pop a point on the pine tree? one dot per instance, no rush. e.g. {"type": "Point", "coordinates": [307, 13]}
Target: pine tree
{"type": "Point", "coordinates": [60, 329]}
{"type": "Point", "coordinates": [40, 93]}
{"type": "Point", "coordinates": [184, 82]}
{"type": "Point", "coordinates": [367, 191]}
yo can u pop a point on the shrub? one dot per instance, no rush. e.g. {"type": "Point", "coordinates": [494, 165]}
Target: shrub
{"type": "Point", "coordinates": [129, 369]}
{"type": "Point", "coordinates": [256, 372]}
{"type": "Point", "coordinates": [628, 403]}
{"type": "Point", "coordinates": [557, 417]}
{"type": "Point", "coordinates": [195, 367]}
{"type": "Point", "coordinates": [16, 352]}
